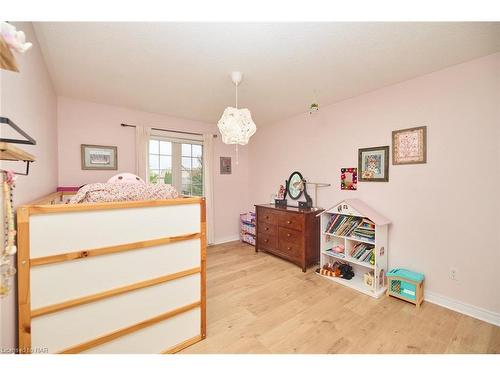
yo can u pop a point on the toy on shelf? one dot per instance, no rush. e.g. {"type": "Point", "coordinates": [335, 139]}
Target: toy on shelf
{"type": "Point", "coordinates": [281, 196]}
{"type": "Point", "coordinates": [340, 249]}
{"type": "Point", "coordinates": [406, 285]}
{"type": "Point", "coordinates": [369, 279]}
{"type": "Point", "coordinates": [337, 269]}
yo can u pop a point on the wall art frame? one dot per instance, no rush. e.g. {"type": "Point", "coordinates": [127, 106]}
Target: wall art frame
{"type": "Point", "coordinates": [373, 164]}
{"type": "Point", "coordinates": [409, 146]}
{"type": "Point", "coordinates": [348, 178]}
{"type": "Point", "coordinates": [99, 158]}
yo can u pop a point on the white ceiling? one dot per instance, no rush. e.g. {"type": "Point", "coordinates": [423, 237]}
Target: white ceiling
{"type": "Point", "coordinates": [182, 69]}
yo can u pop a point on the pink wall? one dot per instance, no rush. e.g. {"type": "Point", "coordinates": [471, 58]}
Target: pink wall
{"type": "Point", "coordinates": [445, 213]}
{"type": "Point", "coordinates": [81, 122]}
{"type": "Point", "coordinates": [28, 99]}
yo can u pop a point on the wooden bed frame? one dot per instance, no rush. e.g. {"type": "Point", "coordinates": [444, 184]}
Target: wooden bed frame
{"type": "Point", "coordinates": [122, 277]}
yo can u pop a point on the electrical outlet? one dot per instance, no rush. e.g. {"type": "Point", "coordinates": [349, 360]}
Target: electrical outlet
{"type": "Point", "coordinates": [453, 273]}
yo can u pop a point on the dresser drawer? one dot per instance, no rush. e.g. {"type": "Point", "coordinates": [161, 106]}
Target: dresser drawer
{"type": "Point", "coordinates": [291, 250]}
{"type": "Point", "coordinates": [289, 235]}
{"type": "Point", "coordinates": [291, 221]}
{"type": "Point", "coordinates": [267, 228]}
{"type": "Point", "coordinates": [266, 242]}
{"type": "Point", "coordinates": [267, 216]}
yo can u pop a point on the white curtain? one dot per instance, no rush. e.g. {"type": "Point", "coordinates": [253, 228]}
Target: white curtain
{"type": "Point", "coordinates": [142, 135]}
{"type": "Point", "coordinates": [208, 172]}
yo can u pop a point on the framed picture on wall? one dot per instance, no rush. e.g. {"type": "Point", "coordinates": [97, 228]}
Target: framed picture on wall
{"type": "Point", "coordinates": [409, 146]}
{"type": "Point", "coordinates": [95, 157]}
{"type": "Point", "coordinates": [225, 165]}
{"type": "Point", "coordinates": [373, 164]}
{"type": "Point", "coordinates": [348, 178]}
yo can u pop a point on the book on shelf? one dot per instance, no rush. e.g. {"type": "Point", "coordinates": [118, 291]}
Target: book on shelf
{"type": "Point", "coordinates": [347, 226]}
{"type": "Point", "coordinates": [365, 230]}
{"type": "Point", "coordinates": [366, 256]}
{"type": "Point", "coordinates": [334, 222]}
{"type": "Point", "coordinates": [362, 252]}
{"type": "Point", "coordinates": [367, 223]}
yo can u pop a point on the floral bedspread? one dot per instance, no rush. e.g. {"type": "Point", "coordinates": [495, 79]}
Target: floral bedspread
{"type": "Point", "coordinates": [119, 192]}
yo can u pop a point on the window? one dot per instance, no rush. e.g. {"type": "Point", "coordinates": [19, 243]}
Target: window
{"type": "Point", "coordinates": [177, 162]}
{"type": "Point", "coordinates": [160, 161]}
{"type": "Point", "coordinates": [192, 169]}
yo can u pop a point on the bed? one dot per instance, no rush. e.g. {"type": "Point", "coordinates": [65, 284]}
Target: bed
{"type": "Point", "coordinates": [119, 277]}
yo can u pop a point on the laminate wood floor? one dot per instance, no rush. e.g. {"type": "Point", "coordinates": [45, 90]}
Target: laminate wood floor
{"type": "Point", "coordinates": [257, 303]}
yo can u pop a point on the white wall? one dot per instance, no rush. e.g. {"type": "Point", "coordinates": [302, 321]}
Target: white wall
{"type": "Point", "coordinates": [29, 100]}
{"type": "Point", "coordinates": [445, 213]}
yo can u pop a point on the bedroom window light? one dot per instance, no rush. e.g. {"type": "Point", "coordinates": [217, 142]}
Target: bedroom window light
{"type": "Point", "coordinates": [192, 169]}
{"type": "Point", "coordinates": [178, 162]}
{"type": "Point", "coordinates": [160, 161]}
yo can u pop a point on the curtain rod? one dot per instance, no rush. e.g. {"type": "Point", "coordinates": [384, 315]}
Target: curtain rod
{"type": "Point", "coordinates": [167, 130]}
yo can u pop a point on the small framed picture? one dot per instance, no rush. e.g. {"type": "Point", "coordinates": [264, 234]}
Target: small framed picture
{"type": "Point", "coordinates": [373, 164]}
{"type": "Point", "coordinates": [225, 165]}
{"type": "Point", "coordinates": [96, 157]}
{"type": "Point", "coordinates": [348, 178]}
{"type": "Point", "coordinates": [409, 146]}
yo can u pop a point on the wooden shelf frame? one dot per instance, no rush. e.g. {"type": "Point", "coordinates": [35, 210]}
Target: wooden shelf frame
{"type": "Point", "coordinates": [12, 153]}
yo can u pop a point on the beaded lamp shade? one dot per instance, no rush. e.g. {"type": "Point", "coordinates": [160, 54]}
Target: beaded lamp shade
{"type": "Point", "coordinates": [236, 125]}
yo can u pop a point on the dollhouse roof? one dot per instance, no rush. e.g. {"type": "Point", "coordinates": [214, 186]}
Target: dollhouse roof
{"type": "Point", "coordinates": [361, 208]}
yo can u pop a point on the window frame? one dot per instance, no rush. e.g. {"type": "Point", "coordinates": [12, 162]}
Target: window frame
{"type": "Point", "coordinates": [176, 149]}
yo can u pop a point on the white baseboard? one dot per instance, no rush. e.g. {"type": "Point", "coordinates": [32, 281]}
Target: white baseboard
{"type": "Point", "coordinates": [219, 241]}
{"type": "Point", "coordinates": [464, 308]}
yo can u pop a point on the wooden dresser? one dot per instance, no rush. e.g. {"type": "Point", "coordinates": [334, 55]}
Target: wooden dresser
{"type": "Point", "coordinates": [289, 233]}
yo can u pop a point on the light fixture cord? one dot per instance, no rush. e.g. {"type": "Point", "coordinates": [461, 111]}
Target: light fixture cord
{"type": "Point", "coordinates": [237, 154]}
{"type": "Point", "coordinates": [236, 95]}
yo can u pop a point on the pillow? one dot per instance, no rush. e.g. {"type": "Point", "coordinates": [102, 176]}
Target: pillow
{"type": "Point", "coordinates": [126, 178]}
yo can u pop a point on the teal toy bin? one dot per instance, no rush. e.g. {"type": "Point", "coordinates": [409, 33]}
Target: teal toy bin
{"type": "Point", "coordinates": [406, 284]}
{"type": "Point", "coordinates": [404, 289]}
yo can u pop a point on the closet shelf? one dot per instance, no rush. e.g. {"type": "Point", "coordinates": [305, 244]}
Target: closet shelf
{"type": "Point", "coordinates": [10, 152]}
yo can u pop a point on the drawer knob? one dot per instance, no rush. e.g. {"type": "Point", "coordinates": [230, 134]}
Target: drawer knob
{"type": "Point", "coordinates": [266, 240]}
{"type": "Point", "coordinates": [288, 222]}
{"type": "Point", "coordinates": [288, 234]}
{"type": "Point", "coordinates": [289, 248]}
{"type": "Point", "coordinates": [267, 228]}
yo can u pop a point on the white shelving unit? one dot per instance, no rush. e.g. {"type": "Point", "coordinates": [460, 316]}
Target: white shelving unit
{"type": "Point", "coordinates": [357, 208]}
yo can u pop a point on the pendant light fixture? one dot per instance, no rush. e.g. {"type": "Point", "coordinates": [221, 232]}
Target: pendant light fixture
{"type": "Point", "coordinates": [236, 125]}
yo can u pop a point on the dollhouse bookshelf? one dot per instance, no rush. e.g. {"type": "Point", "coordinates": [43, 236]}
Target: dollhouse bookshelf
{"type": "Point", "coordinates": [356, 211]}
